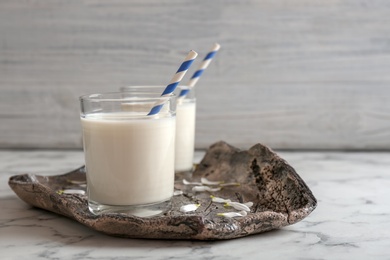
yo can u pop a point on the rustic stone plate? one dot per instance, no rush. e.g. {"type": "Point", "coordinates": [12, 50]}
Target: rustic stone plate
{"type": "Point", "coordinates": [279, 195]}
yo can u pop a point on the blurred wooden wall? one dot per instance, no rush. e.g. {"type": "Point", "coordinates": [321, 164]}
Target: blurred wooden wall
{"type": "Point", "coordinates": [303, 74]}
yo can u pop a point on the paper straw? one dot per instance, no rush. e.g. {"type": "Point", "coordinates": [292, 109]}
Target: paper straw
{"type": "Point", "coordinates": [205, 63]}
{"type": "Point", "coordinates": [174, 81]}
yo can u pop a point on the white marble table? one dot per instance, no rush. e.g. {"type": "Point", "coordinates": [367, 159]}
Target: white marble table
{"type": "Point", "coordinates": [352, 220]}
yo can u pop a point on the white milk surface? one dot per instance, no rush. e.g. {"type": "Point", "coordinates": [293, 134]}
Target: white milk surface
{"type": "Point", "coordinates": [129, 161]}
{"type": "Point", "coordinates": [185, 135]}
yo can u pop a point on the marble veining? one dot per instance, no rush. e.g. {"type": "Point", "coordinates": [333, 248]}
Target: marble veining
{"type": "Point", "coordinates": [352, 219]}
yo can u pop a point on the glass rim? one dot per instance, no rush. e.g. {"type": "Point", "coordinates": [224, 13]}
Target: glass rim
{"type": "Point", "coordinates": [119, 97]}
{"type": "Point", "coordinates": [150, 86]}
{"type": "Point", "coordinates": [189, 98]}
{"type": "Point", "coordinates": [140, 87]}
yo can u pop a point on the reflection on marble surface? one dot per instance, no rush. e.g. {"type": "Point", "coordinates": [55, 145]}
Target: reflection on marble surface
{"type": "Point", "coordinates": [352, 220]}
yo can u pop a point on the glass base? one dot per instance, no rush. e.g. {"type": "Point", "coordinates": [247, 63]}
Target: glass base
{"type": "Point", "coordinates": [190, 169]}
{"type": "Point", "coordinates": [149, 210]}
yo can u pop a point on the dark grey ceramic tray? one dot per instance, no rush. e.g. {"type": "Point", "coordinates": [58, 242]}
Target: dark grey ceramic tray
{"type": "Point", "coordinates": [280, 198]}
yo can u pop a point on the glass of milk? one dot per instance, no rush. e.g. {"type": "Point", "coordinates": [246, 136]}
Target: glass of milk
{"type": "Point", "coordinates": [185, 125]}
{"type": "Point", "coordinates": [129, 156]}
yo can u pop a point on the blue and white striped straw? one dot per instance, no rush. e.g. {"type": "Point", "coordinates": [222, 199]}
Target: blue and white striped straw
{"type": "Point", "coordinates": [205, 63]}
{"type": "Point", "coordinates": [174, 81]}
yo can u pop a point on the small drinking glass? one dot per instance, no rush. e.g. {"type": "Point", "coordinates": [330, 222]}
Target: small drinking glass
{"type": "Point", "coordinates": [129, 155]}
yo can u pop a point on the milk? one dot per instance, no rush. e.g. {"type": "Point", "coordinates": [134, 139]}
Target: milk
{"type": "Point", "coordinates": [185, 135]}
{"type": "Point", "coordinates": [129, 158]}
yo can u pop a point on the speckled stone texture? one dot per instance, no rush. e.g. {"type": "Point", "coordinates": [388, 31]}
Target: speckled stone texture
{"type": "Point", "coordinates": [279, 195]}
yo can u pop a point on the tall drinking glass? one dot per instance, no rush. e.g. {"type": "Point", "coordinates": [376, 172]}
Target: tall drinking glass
{"type": "Point", "coordinates": [185, 125]}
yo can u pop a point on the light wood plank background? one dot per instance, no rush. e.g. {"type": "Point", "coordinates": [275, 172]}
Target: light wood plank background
{"type": "Point", "coordinates": [304, 74]}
